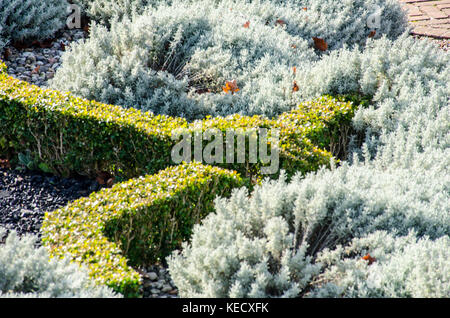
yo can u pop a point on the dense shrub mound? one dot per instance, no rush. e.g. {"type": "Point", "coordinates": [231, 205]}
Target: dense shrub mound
{"type": "Point", "coordinates": [268, 245]}
{"type": "Point", "coordinates": [340, 23]}
{"type": "Point", "coordinates": [67, 135]}
{"type": "Point", "coordinates": [136, 222]}
{"type": "Point", "coordinates": [25, 20]}
{"type": "Point", "coordinates": [320, 235]}
{"type": "Point", "coordinates": [349, 23]}
{"type": "Point", "coordinates": [29, 272]}
{"type": "Point", "coordinates": [176, 60]}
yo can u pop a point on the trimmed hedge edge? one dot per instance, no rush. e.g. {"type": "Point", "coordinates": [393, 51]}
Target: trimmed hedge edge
{"type": "Point", "coordinates": [63, 134]}
{"type": "Point", "coordinates": [135, 223]}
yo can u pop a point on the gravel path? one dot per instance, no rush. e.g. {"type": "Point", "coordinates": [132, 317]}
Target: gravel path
{"type": "Point", "coordinates": [37, 64]}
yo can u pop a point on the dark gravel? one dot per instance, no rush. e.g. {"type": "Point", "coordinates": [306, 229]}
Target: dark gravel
{"type": "Point", "coordinates": [25, 196]}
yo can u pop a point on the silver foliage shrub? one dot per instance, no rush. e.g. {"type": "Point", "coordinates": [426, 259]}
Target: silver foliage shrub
{"type": "Point", "coordinates": [408, 80]}
{"type": "Point", "coordinates": [23, 20]}
{"type": "Point", "coordinates": [28, 272]}
{"type": "Point", "coordinates": [104, 10]}
{"type": "Point", "coordinates": [3, 43]}
{"type": "Point", "coordinates": [339, 22]}
{"type": "Point", "coordinates": [175, 58]}
{"type": "Point", "coordinates": [266, 245]}
{"type": "Point", "coordinates": [167, 60]}
{"type": "Point", "coordinates": [391, 200]}
{"type": "Point", "coordinates": [403, 267]}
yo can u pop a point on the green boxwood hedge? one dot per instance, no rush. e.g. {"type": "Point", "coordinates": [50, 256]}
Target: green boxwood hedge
{"type": "Point", "coordinates": [64, 134]}
{"type": "Point", "coordinates": [136, 222]}
{"type": "Point", "coordinates": [309, 135]}
{"type": "Point", "coordinates": [69, 134]}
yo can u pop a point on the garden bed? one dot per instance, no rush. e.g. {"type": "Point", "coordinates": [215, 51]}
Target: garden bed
{"type": "Point", "coordinates": [356, 109]}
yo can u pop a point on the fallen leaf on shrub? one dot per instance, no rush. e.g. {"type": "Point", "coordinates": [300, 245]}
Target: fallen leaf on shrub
{"type": "Point", "coordinates": [280, 22]}
{"type": "Point", "coordinates": [305, 8]}
{"type": "Point", "coordinates": [295, 88]}
{"type": "Point", "coordinates": [320, 44]}
{"type": "Point", "coordinates": [36, 70]}
{"type": "Point", "coordinates": [230, 87]}
{"type": "Point", "coordinates": [246, 24]}
{"type": "Point", "coordinates": [293, 46]}
{"type": "Point", "coordinates": [372, 33]}
{"type": "Point", "coordinates": [294, 69]}
{"type": "Point", "coordinates": [369, 258]}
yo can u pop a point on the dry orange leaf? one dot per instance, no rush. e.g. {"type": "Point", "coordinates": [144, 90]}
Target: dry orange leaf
{"type": "Point", "coordinates": [294, 69]}
{"type": "Point", "coordinates": [295, 88]}
{"type": "Point", "coordinates": [294, 46]}
{"type": "Point", "coordinates": [320, 44]}
{"type": "Point", "coordinates": [369, 258]}
{"type": "Point", "coordinates": [230, 87]}
{"type": "Point", "coordinates": [247, 24]}
{"type": "Point", "coordinates": [36, 70]}
{"type": "Point", "coordinates": [372, 33]}
{"type": "Point", "coordinates": [280, 22]}
{"type": "Point", "coordinates": [305, 8]}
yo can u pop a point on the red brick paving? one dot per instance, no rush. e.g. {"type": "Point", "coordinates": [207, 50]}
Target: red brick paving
{"type": "Point", "coordinates": [429, 18]}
